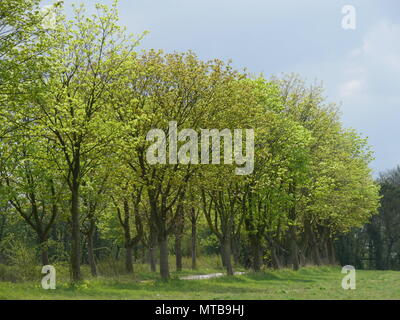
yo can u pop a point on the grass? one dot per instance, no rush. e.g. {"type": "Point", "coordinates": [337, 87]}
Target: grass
{"type": "Point", "coordinates": [307, 283]}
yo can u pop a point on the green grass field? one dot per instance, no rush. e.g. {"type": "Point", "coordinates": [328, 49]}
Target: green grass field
{"type": "Point", "coordinates": [308, 283]}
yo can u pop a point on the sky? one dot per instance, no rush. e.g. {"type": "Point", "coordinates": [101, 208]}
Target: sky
{"type": "Point", "coordinates": [359, 68]}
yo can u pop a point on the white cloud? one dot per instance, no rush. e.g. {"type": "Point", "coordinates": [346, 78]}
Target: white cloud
{"type": "Point", "coordinates": [351, 88]}
{"type": "Point", "coordinates": [382, 44]}
{"type": "Point", "coordinates": [374, 65]}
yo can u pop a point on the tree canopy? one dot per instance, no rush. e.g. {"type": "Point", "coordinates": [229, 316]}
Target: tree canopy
{"type": "Point", "coordinates": [77, 104]}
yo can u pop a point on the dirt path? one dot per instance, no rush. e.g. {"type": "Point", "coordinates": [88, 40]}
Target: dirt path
{"type": "Point", "coordinates": [200, 276]}
{"type": "Point", "coordinates": [207, 276]}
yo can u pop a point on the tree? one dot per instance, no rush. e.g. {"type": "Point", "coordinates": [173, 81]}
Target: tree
{"type": "Point", "coordinates": [31, 187]}
{"type": "Point", "coordinates": [175, 88]}
{"type": "Point", "coordinates": [68, 101]}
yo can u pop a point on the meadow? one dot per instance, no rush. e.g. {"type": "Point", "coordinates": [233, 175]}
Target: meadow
{"type": "Point", "coordinates": [307, 283]}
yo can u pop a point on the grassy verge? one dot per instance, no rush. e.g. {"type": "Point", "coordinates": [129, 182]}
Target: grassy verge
{"type": "Point", "coordinates": [308, 283]}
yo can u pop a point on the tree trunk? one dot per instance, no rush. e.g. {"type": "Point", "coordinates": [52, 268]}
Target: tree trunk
{"type": "Point", "coordinates": [257, 252]}
{"type": "Point", "coordinates": [276, 263]}
{"type": "Point", "coordinates": [153, 262]}
{"type": "Point", "coordinates": [164, 266]}
{"type": "Point", "coordinates": [44, 256]}
{"type": "Point", "coordinates": [128, 259]}
{"type": "Point", "coordinates": [75, 226]}
{"type": "Point", "coordinates": [44, 253]}
{"type": "Point", "coordinates": [294, 254]}
{"type": "Point", "coordinates": [223, 256]}
{"type": "Point", "coordinates": [331, 250]}
{"type": "Point", "coordinates": [325, 251]}
{"type": "Point", "coordinates": [91, 257]}
{"type": "Point", "coordinates": [178, 252]}
{"type": "Point", "coordinates": [294, 250]}
{"type": "Point", "coordinates": [193, 247]}
{"type": "Point", "coordinates": [117, 253]}
{"type": "Point", "coordinates": [152, 250]}
{"type": "Point", "coordinates": [316, 255]}
{"type": "Point", "coordinates": [127, 236]}
{"type": "Point", "coordinates": [96, 241]}
{"type": "Point", "coordinates": [227, 256]}
{"type": "Point", "coordinates": [315, 250]}
{"type": "Point", "coordinates": [236, 250]}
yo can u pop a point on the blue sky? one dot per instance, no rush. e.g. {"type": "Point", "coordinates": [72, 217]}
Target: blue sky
{"type": "Point", "coordinates": [360, 68]}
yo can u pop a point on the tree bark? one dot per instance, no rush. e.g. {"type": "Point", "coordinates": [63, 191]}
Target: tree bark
{"type": "Point", "coordinates": [293, 247]}
{"type": "Point", "coordinates": [193, 245]}
{"type": "Point", "coordinates": [153, 262]}
{"type": "Point", "coordinates": [227, 250]}
{"type": "Point", "coordinates": [164, 266]}
{"type": "Point", "coordinates": [127, 234]}
{"type": "Point", "coordinates": [75, 226]}
{"type": "Point", "coordinates": [276, 262]}
{"type": "Point", "coordinates": [44, 255]}
{"type": "Point", "coordinates": [257, 252]}
{"type": "Point", "coordinates": [178, 252]}
{"type": "Point", "coordinates": [294, 252]}
{"type": "Point", "coordinates": [235, 247]}
{"type": "Point", "coordinates": [316, 257]}
{"type": "Point", "coordinates": [223, 256]}
{"type": "Point", "coordinates": [152, 249]}
{"type": "Point", "coordinates": [129, 259]}
{"type": "Point", "coordinates": [331, 250]}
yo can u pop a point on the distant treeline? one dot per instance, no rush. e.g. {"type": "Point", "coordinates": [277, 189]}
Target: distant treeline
{"type": "Point", "coordinates": [377, 244]}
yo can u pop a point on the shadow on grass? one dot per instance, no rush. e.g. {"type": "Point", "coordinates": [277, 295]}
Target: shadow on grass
{"type": "Point", "coordinates": [269, 276]}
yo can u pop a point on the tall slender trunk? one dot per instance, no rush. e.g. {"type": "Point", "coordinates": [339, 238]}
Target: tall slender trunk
{"type": "Point", "coordinates": [276, 262]}
{"type": "Point", "coordinates": [316, 257]}
{"type": "Point", "coordinates": [293, 247]}
{"type": "Point", "coordinates": [143, 253]}
{"type": "Point", "coordinates": [227, 250]}
{"type": "Point", "coordinates": [129, 259]}
{"type": "Point", "coordinates": [75, 225]}
{"type": "Point", "coordinates": [44, 256]}
{"type": "Point", "coordinates": [164, 266]}
{"type": "Point", "coordinates": [325, 251]}
{"type": "Point", "coordinates": [257, 252]}
{"type": "Point", "coordinates": [153, 262]}
{"type": "Point", "coordinates": [294, 252]}
{"type": "Point", "coordinates": [96, 240]}
{"type": "Point", "coordinates": [178, 252]}
{"type": "Point", "coordinates": [163, 243]}
{"type": "Point", "coordinates": [235, 247]}
{"type": "Point", "coordinates": [223, 256]}
{"type": "Point", "coordinates": [193, 247]}
{"type": "Point", "coordinates": [117, 253]}
{"type": "Point", "coordinates": [179, 226]}
{"type": "Point", "coordinates": [152, 249]}
{"type": "Point", "coordinates": [127, 235]}
{"type": "Point", "coordinates": [331, 250]}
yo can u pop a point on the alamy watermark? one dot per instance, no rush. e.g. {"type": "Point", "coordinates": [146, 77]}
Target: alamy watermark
{"type": "Point", "coordinates": [188, 153]}
{"type": "Point", "coordinates": [49, 280]}
{"type": "Point", "coordinates": [349, 19]}
{"type": "Point", "coordinates": [49, 17]}
{"type": "Point", "coordinates": [349, 281]}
